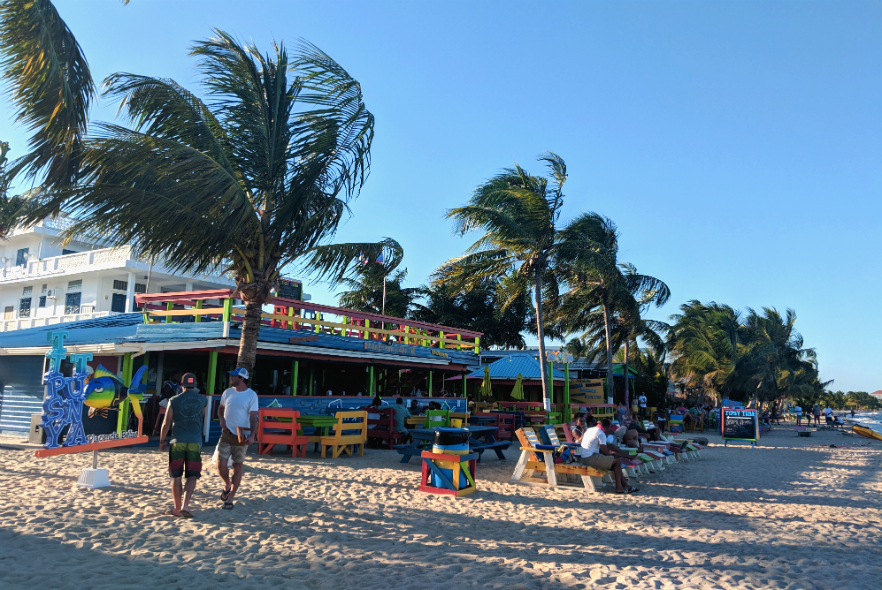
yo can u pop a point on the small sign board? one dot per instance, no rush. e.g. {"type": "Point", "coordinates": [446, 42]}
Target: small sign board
{"type": "Point", "coordinates": [739, 424]}
{"type": "Point", "coordinates": [290, 289]}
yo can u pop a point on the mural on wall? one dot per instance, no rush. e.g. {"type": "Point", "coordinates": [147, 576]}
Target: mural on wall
{"type": "Point", "coordinates": [66, 396]}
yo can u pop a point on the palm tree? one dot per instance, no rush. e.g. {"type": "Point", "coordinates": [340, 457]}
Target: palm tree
{"type": "Point", "coordinates": [522, 246]}
{"type": "Point", "coordinates": [602, 288]}
{"type": "Point", "coordinates": [9, 206]}
{"type": "Point", "coordinates": [477, 309]}
{"type": "Point", "coordinates": [376, 288]}
{"type": "Point", "coordinates": [704, 341]}
{"type": "Point", "coordinates": [50, 88]}
{"type": "Point", "coordinates": [255, 179]}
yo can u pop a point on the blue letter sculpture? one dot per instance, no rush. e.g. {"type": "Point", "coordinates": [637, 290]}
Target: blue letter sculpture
{"type": "Point", "coordinates": [63, 405]}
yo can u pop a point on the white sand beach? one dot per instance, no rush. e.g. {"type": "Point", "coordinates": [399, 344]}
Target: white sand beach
{"type": "Point", "coordinates": [790, 514]}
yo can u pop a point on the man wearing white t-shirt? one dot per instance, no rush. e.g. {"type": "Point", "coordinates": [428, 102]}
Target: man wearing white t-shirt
{"type": "Point", "coordinates": [798, 411]}
{"type": "Point", "coordinates": [596, 454]}
{"type": "Point", "coordinates": [237, 413]}
{"type": "Point", "coordinates": [641, 403]}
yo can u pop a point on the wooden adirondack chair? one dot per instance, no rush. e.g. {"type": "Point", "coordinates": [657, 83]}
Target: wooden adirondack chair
{"type": "Point", "coordinates": [271, 431]}
{"type": "Point", "coordinates": [346, 435]}
{"type": "Point", "coordinates": [528, 464]}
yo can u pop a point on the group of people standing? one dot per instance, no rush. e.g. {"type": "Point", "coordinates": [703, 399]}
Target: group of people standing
{"type": "Point", "coordinates": [184, 416]}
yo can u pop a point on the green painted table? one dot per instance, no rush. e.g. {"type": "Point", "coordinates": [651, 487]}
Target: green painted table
{"type": "Point", "coordinates": [320, 422]}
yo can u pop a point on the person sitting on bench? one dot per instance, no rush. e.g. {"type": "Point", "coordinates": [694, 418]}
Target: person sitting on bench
{"type": "Point", "coordinates": [596, 454]}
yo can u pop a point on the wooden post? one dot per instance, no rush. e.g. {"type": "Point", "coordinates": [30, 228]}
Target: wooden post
{"type": "Point", "coordinates": [228, 309]}
{"type": "Point", "coordinates": [198, 306]}
{"type": "Point", "coordinates": [318, 318]}
{"type": "Point", "coordinates": [168, 307]}
{"type": "Point", "coordinates": [464, 385]}
{"type": "Point", "coordinates": [550, 388]}
{"type": "Point", "coordinates": [566, 394]}
{"type": "Point", "coordinates": [459, 337]}
{"type": "Point", "coordinates": [291, 315]}
{"type": "Point", "coordinates": [441, 342]}
{"type": "Point", "coordinates": [373, 389]}
{"type": "Point", "coordinates": [212, 372]}
{"type": "Point", "coordinates": [406, 339]}
{"type": "Point", "coordinates": [477, 345]}
{"type": "Point", "coordinates": [367, 324]}
{"type": "Point", "coordinates": [430, 383]}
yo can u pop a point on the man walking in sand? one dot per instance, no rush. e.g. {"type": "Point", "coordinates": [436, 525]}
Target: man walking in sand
{"type": "Point", "coordinates": [184, 417]}
{"type": "Point", "coordinates": [237, 414]}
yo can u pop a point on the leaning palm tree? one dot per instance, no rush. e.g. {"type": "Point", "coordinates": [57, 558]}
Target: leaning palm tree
{"type": "Point", "coordinates": [601, 285]}
{"type": "Point", "coordinates": [256, 178]}
{"type": "Point", "coordinates": [522, 246]}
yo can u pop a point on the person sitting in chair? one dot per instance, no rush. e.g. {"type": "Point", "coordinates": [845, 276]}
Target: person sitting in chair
{"type": "Point", "coordinates": [596, 453]}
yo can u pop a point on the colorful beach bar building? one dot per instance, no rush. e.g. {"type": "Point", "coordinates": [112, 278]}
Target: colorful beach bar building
{"type": "Point", "coordinates": [309, 356]}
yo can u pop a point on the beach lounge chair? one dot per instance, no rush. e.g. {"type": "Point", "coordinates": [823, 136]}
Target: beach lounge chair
{"type": "Point", "coordinates": [349, 432]}
{"type": "Point", "coordinates": [278, 426]}
{"type": "Point", "coordinates": [631, 466]}
{"type": "Point", "coordinates": [540, 458]}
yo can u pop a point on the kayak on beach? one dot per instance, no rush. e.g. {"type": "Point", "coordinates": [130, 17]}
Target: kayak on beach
{"type": "Point", "coordinates": [864, 431]}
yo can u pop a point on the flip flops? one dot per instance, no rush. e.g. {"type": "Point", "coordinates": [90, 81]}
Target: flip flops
{"type": "Point", "coordinates": [186, 514]}
{"type": "Point", "coordinates": [171, 513]}
{"type": "Point", "coordinates": [228, 506]}
{"type": "Point", "coordinates": [225, 494]}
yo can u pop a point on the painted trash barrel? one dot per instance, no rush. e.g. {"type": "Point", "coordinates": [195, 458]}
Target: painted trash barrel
{"type": "Point", "coordinates": [450, 441]}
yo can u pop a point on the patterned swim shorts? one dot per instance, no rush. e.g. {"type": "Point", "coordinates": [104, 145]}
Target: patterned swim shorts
{"type": "Point", "coordinates": [185, 459]}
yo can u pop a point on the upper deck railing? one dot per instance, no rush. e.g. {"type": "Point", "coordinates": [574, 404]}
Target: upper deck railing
{"type": "Point", "coordinates": [303, 316]}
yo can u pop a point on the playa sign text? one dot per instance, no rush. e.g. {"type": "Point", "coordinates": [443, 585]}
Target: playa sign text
{"type": "Point", "coordinates": [66, 396]}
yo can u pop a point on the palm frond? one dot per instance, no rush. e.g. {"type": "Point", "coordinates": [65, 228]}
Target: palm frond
{"type": "Point", "coordinates": [50, 86]}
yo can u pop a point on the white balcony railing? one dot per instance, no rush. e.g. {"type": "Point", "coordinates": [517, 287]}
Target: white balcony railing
{"type": "Point", "coordinates": [84, 261]}
{"type": "Point", "coordinates": [22, 323]}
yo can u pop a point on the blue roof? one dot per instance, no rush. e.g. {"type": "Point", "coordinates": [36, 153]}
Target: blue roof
{"type": "Point", "coordinates": [130, 328]}
{"type": "Point", "coordinates": [510, 366]}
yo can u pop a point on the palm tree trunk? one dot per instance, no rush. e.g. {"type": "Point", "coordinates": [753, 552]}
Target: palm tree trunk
{"type": "Point", "coordinates": [610, 386]}
{"type": "Point", "coordinates": [250, 332]}
{"type": "Point", "coordinates": [625, 373]}
{"type": "Point", "coordinates": [543, 364]}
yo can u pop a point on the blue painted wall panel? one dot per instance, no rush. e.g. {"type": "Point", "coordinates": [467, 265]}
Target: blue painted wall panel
{"type": "Point", "coordinates": [21, 393]}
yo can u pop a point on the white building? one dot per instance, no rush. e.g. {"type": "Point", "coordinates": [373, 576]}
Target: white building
{"type": "Point", "coordinates": [43, 283]}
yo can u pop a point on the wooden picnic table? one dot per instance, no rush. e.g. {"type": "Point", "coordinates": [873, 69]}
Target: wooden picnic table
{"type": "Point", "coordinates": [415, 421]}
{"type": "Point", "coordinates": [482, 420]}
{"type": "Point", "coordinates": [321, 422]}
{"type": "Point", "coordinates": [424, 437]}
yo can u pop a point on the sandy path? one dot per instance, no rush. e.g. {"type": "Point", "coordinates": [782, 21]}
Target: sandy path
{"type": "Point", "coordinates": [790, 514]}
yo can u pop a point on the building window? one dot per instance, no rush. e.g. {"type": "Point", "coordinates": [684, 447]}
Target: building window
{"type": "Point", "coordinates": [21, 257]}
{"type": "Point", "coordinates": [43, 289]}
{"type": "Point", "coordinates": [118, 304]}
{"type": "Point", "coordinates": [66, 252]}
{"type": "Point", "coordinates": [140, 288]}
{"type": "Point", "coordinates": [24, 308]}
{"type": "Point", "coordinates": [42, 302]}
{"type": "Point", "coordinates": [72, 303]}
{"type": "Point", "coordinates": [27, 291]}
{"type": "Point", "coordinates": [120, 285]}
{"type": "Point", "coordinates": [75, 285]}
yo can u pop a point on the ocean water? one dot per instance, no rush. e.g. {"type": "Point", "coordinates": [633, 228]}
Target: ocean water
{"type": "Point", "coordinates": [871, 420]}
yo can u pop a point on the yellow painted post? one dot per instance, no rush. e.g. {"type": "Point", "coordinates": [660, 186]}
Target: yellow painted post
{"type": "Point", "coordinates": [477, 345]}
{"type": "Point", "coordinates": [459, 337]}
{"type": "Point", "coordinates": [406, 332]}
{"type": "Point", "coordinates": [367, 324]}
{"type": "Point", "coordinates": [228, 310]}
{"type": "Point", "coordinates": [168, 307]}
{"type": "Point", "coordinates": [441, 342]}
{"type": "Point", "coordinates": [198, 306]}
{"type": "Point", "coordinates": [318, 318]}
{"type": "Point", "coordinates": [291, 315]}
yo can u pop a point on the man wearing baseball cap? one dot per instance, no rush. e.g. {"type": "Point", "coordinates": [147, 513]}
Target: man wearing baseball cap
{"type": "Point", "coordinates": [184, 416]}
{"type": "Point", "coordinates": [237, 413]}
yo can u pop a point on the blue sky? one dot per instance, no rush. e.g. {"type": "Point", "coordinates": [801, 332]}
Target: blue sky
{"type": "Point", "coordinates": [736, 144]}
